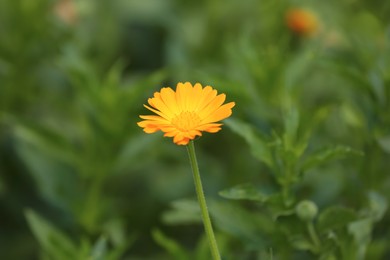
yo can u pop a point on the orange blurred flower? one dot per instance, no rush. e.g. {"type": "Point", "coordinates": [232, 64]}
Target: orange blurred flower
{"type": "Point", "coordinates": [66, 11]}
{"type": "Point", "coordinates": [302, 21]}
{"type": "Point", "coordinates": [185, 113]}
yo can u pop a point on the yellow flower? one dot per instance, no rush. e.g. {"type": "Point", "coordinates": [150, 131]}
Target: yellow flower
{"type": "Point", "coordinates": [185, 113]}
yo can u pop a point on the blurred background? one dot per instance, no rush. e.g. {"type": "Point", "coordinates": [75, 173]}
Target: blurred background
{"type": "Point", "coordinates": [80, 180]}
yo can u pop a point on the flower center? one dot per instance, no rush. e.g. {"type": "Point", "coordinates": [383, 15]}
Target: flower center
{"type": "Point", "coordinates": [186, 120]}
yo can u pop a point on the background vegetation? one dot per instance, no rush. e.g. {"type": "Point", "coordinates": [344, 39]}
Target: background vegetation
{"type": "Point", "coordinates": [80, 180]}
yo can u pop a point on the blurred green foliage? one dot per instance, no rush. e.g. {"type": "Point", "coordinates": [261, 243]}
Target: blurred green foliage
{"type": "Point", "coordinates": [80, 180]}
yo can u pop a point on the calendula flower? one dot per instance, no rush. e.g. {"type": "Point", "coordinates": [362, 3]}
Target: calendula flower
{"type": "Point", "coordinates": [301, 21]}
{"type": "Point", "coordinates": [66, 11]}
{"type": "Point", "coordinates": [186, 113]}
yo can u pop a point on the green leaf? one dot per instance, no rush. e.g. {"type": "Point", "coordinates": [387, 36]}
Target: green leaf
{"type": "Point", "coordinates": [278, 206]}
{"type": "Point", "coordinates": [113, 76]}
{"type": "Point", "coordinates": [184, 211]}
{"type": "Point", "coordinates": [291, 124]}
{"type": "Point", "coordinates": [378, 86]}
{"type": "Point", "coordinates": [202, 250]}
{"type": "Point", "coordinates": [335, 217]}
{"type": "Point", "coordinates": [84, 250]}
{"type": "Point", "coordinates": [328, 256]}
{"type": "Point", "coordinates": [328, 154]}
{"type": "Point", "coordinates": [384, 143]}
{"type": "Point", "coordinates": [378, 249]}
{"type": "Point", "coordinates": [258, 146]}
{"type": "Point", "coordinates": [361, 232]}
{"type": "Point", "coordinates": [47, 157]}
{"type": "Point", "coordinates": [53, 241]}
{"type": "Point", "coordinates": [244, 192]}
{"type": "Point", "coordinates": [117, 239]}
{"type": "Point", "coordinates": [301, 242]}
{"type": "Point", "coordinates": [99, 249]}
{"type": "Point", "coordinates": [351, 115]}
{"type": "Point", "coordinates": [47, 140]}
{"type": "Point", "coordinates": [133, 151]}
{"type": "Point", "coordinates": [291, 225]}
{"type": "Point", "coordinates": [297, 68]}
{"type": "Point", "coordinates": [170, 245]}
{"type": "Point", "coordinates": [118, 251]}
{"type": "Point", "coordinates": [308, 124]}
{"type": "Point", "coordinates": [247, 226]}
{"type": "Point", "coordinates": [377, 206]}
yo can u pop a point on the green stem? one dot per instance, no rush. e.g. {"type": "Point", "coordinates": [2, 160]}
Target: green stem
{"type": "Point", "coordinates": [93, 204]}
{"type": "Point", "coordinates": [202, 202]}
{"type": "Point", "coordinates": [313, 235]}
{"type": "Point", "coordinates": [285, 192]}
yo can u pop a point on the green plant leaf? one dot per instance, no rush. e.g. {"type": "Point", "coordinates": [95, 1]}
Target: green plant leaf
{"type": "Point", "coordinates": [328, 154]}
{"type": "Point", "coordinates": [52, 240]}
{"type": "Point", "coordinates": [202, 250]}
{"type": "Point", "coordinates": [335, 217]}
{"type": "Point", "coordinates": [377, 205]}
{"type": "Point", "coordinates": [133, 150]}
{"type": "Point", "coordinates": [117, 252]}
{"type": "Point", "coordinates": [228, 217]}
{"type": "Point", "coordinates": [258, 145]}
{"type": "Point", "coordinates": [47, 140]}
{"type": "Point", "coordinates": [291, 124]}
{"type": "Point", "coordinates": [99, 249]}
{"type": "Point", "coordinates": [378, 249]}
{"type": "Point", "coordinates": [301, 242]}
{"type": "Point", "coordinates": [307, 126]}
{"type": "Point", "coordinates": [351, 115]}
{"type": "Point", "coordinates": [244, 192]}
{"type": "Point", "coordinates": [384, 143]}
{"type": "Point", "coordinates": [361, 232]}
{"type": "Point", "coordinates": [47, 156]}
{"type": "Point", "coordinates": [170, 245]}
{"type": "Point", "coordinates": [328, 256]}
{"type": "Point", "coordinates": [184, 211]}
{"type": "Point", "coordinates": [279, 207]}
{"type": "Point", "coordinates": [291, 225]}
{"type": "Point", "coordinates": [297, 67]}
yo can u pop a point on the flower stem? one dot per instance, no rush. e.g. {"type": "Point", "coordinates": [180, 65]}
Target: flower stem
{"type": "Point", "coordinates": [202, 202]}
{"type": "Point", "coordinates": [313, 235]}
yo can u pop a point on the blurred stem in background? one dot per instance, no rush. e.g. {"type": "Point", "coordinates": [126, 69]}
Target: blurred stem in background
{"type": "Point", "coordinates": [91, 213]}
{"type": "Point", "coordinates": [202, 202]}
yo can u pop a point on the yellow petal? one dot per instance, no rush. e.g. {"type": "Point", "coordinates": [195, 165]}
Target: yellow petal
{"type": "Point", "coordinates": [189, 98]}
{"type": "Point", "coordinates": [156, 118]}
{"type": "Point", "coordinates": [161, 106]}
{"type": "Point", "coordinates": [208, 94]}
{"type": "Point", "coordinates": [212, 106]}
{"type": "Point", "coordinates": [212, 128]}
{"type": "Point", "coordinates": [185, 141]}
{"type": "Point", "coordinates": [178, 138]}
{"type": "Point", "coordinates": [221, 113]}
{"type": "Point", "coordinates": [194, 96]}
{"type": "Point", "coordinates": [181, 99]}
{"type": "Point", "coordinates": [170, 134]}
{"type": "Point", "coordinates": [151, 130]}
{"type": "Point", "coordinates": [169, 98]}
{"type": "Point", "coordinates": [193, 133]}
{"type": "Point", "coordinates": [157, 112]}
